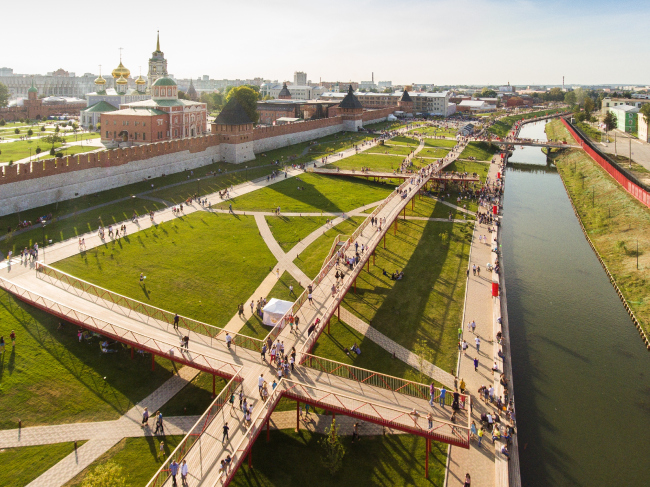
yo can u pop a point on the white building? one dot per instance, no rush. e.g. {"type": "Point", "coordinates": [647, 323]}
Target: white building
{"type": "Point", "coordinates": [300, 78]}
{"type": "Point", "coordinates": [385, 84]}
{"type": "Point", "coordinates": [478, 106]}
{"type": "Point", "coordinates": [298, 92]}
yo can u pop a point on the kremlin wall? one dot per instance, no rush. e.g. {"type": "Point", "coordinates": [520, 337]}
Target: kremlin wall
{"type": "Point", "coordinates": [39, 183]}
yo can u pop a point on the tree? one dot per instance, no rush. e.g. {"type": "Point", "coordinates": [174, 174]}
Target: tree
{"type": "Point", "coordinates": [214, 101]}
{"type": "Point", "coordinates": [570, 98]}
{"type": "Point", "coordinates": [30, 132]}
{"type": "Point", "coordinates": [247, 97]}
{"type": "Point", "coordinates": [645, 110]}
{"type": "Point", "coordinates": [4, 95]}
{"type": "Point", "coordinates": [554, 94]}
{"type": "Point", "coordinates": [57, 129]}
{"type": "Point", "coordinates": [610, 121]}
{"type": "Point", "coordinates": [106, 475]}
{"type": "Point", "coordinates": [333, 449]}
{"type": "Point", "coordinates": [579, 116]}
{"type": "Point", "coordinates": [581, 95]}
{"type": "Point", "coordinates": [182, 95]}
{"type": "Point", "coordinates": [38, 150]}
{"type": "Point", "coordinates": [2, 122]}
{"type": "Point", "coordinates": [42, 128]}
{"type": "Point", "coordinates": [488, 93]}
{"type": "Point", "coordinates": [16, 131]}
{"type": "Point", "coordinates": [388, 89]}
{"type": "Point", "coordinates": [589, 107]}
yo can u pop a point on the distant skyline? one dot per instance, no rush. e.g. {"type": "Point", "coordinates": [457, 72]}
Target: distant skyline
{"type": "Point", "coordinates": [414, 41]}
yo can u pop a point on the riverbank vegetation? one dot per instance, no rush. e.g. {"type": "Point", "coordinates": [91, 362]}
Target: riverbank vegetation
{"type": "Point", "coordinates": [616, 225]}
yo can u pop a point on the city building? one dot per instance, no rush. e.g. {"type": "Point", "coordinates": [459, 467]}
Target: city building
{"type": "Point", "coordinates": [642, 126]}
{"type": "Point", "coordinates": [614, 102]}
{"type": "Point", "coordinates": [58, 83]}
{"type": "Point", "coordinates": [35, 108]}
{"type": "Point", "coordinates": [300, 78]}
{"type": "Point", "coordinates": [297, 92]}
{"type": "Point", "coordinates": [157, 65]}
{"type": "Point", "coordinates": [272, 111]}
{"type": "Point", "coordinates": [163, 117]}
{"type": "Point", "coordinates": [476, 106]}
{"type": "Point", "coordinates": [626, 117]}
{"type": "Point", "coordinates": [385, 84]}
{"type": "Point", "coordinates": [432, 104]}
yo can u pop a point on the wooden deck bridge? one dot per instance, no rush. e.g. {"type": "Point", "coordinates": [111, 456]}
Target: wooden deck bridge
{"type": "Point", "coordinates": [377, 175]}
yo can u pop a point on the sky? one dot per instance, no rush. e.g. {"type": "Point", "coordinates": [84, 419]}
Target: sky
{"type": "Point", "coordinates": [443, 42]}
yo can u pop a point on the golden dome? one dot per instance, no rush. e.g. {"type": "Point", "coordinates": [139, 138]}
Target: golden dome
{"type": "Point", "coordinates": [100, 80]}
{"type": "Point", "coordinates": [140, 81]}
{"type": "Point", "coordinates": [121, 81]}
{"type": "Point", "coordinates": [121, 71]}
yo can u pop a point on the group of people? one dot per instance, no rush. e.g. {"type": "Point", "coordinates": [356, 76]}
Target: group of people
{"type": "Point", "coordinates": [102, 234]}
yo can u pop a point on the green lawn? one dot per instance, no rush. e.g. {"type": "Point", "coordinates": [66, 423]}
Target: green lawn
{"type": "Point", "coordinates": [22, 465]}
{"type": "Point", "coordinates": [138, 458]}
{"type": "Point", "coordinates": [482, 151]}
{"type": "Point", "coordinates": [428, 303]}
{"type": "Point", "coordinates": [431, 208]}
{"type": "Point", "coordinates": [591, 132]}
{"type": "Point", "coordinates": [381, 126]}
{"type": "Point", "coordinates": [481, 168]}
{"type": "Point", "coordinates": [51, 378]}
{"type": "Point", "coordinates": [175, 256]}
{"type": "Point", "coordinates": [400, 139]}
{"type": "Point", "coordinates": [14, 151]}
{"type": "Point", "coordinates": [436, 131]}
{"type": "Point", "coordinates": [194, 398]}
{"type": "Point", "coordinates": [376, 162]}
{"type": "Point", "coordinates": [254, 326]}
{"type": "Point", "coordinates": [311, 259]}
{"type": "Point", "coordinates": [336, 143]}
{"type": "Point", "coordinates": [437, 153]}
{"type": "Point", "coordinates": [375, 460]}
{"type": "Point", "coordinates": [320, 193]}
{"type": "Point", "coordinates": [555, 130]}
{"type": "Point", "coordinates": [288, 231]}
{"type": "Point", "coordinates": [440, 143]}
{"type": "Point", "coordinates": [391, 149]}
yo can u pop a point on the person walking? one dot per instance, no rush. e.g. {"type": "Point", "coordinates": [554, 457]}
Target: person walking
{"type": "Point", "coordinates": [173, 471]}
{"type": "Point", "coordinates": [260, 382]}
{"type": "Point", "coordinates": [468, 481]}
{"type": "Point", "coordinates": [161, 450]}
{"type": "Point", "coordinates": [443, 393]}
{"type": "Point", "coordinates": [159, 423]}
{"type": "Point", "coordinates": [12, 335]}
{"type": "Point", "coordinates": [477, 340]}
{"type": "Point", "coordinates": [145, 417]}
{"type": "Point", "coordinates": [460, 332]}
{"type": "Point", "coordinates": [475, 364]}
{"type": "Point", "coordinates": [228, 340]}
{"type": "Point", "coordinates": [481, 432]}
{"type": "Point", "coordinates": [225, 437]}
{"type": "Point", "coordinates": [432, 392]}
{"type": "Point", "coordinates": [176, 320]}
{"type": "Point", "coordinates": [184, 472]}
{"type": "Point", "coordinates": [430, 419]}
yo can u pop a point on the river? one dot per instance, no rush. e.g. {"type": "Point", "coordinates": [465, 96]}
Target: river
{"type": "Point", "coordinates": [581, 372]}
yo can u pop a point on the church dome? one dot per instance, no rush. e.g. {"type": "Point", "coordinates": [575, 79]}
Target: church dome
{"type": "Point", "coordinates": [33, 88]}
{"type": "Point", "coordinates": [121, 81]}
{"type": "Point", "coordinates": [100, 80]}
{"type": "Point", "coordinates": [140, 81]}
{"type": "Point", "coordinates": [121, 71]}
{"type": "Point", "coordinates": [164, 81]}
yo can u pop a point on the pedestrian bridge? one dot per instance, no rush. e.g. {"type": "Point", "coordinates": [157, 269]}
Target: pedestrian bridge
{"type": "Point", "coordinates": [340, 388]}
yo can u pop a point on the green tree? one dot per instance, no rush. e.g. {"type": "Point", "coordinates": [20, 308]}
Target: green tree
{"type": "Point", "coordinates": [2, 122]}
{"type": "Point", "coordinates": [554, 94]}
{"type": "Point", "coordinates": [488, 93]}
{"type": "Point", "coordinates": [42, 128]}
{"type": "Point", "coordinates": [4, 95]}
{"type": "Point", "coordinates": [30, 132]}
{"type": "Point", "coordinates": [589, 106]}
{"type": "Point", "coordinates": [38, 150]}
{"type": "Point", "coordinates": [610, 121]}
{"type": "Point", "coordinates": [247, 97]}
{"type": "Point", "coordinates": [570, 98]}
{"type": "Point", "coordinates": [16, 131]}
{"type": "Point", "coordinates": [645, 110]}
{"type": "Point", "coordinates": [388, 89]}
{"type": "Point", "coordinates": [106, 475]}
{"type": "Point", "coordinates": [57, 129]}
{"type": "Point", "coordinates": [333, 449]}
{"type": "Point", "coordinates": [182, 95]}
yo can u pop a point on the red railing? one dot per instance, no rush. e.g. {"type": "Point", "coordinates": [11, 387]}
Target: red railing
{"type": "Point", "coordinates": [162, 475]}
{"type": "Point", "coordinates": [376, 379]}
{"type": "Point", "coordinates": [140, 341]}
{"type": "Point", "coordinates": [136, 309]}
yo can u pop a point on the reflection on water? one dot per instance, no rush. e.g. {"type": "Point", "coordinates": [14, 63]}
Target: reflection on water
{"type": "Point", "coordinates": [581, 374]}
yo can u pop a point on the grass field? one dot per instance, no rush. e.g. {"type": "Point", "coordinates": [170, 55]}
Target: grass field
{"type": "Point", "coordinates": [320, 193]}
{"type": "Point", "coordinates": [428, 303]}
{"type": "Point", "coordinates": [400, 139]}
{"type": "Point", "coordinates": [288, 231]}
{"type": "Point", "coordinates": [138, 458]}
{"type": "Point", "coordinates": [555, 130]}
{"type": "Point", "coordinates": [615, 236]}
{"type": "Point", "coordinates": [22, 465]}
{"type": "Point", "coordinates": [482, 151]}
{"type": "Point", "coordinates": [51, 378]}
{"type": "Point", "coordinates": [432, 208]}
{"type": "Point", "coordinates": [174, 257]}
{"type": "Point", "coordinates": [381, 126]}
{"type": "Point", "coordinates": [310, 261]}
{"type": "Point", "coordinates": [391, 149]}
{"type": "Point", "coordinates": [434, 152]}
{"type": "Point", "coordinates": [386, 461]}
{"type": "Point", "coordinates": [194, 398]}
{"type": "Point", "coordinates": [436, 131]}
{"type": "Point", "coordinates": [591, 132]}
{"type": "Point", "coordinates": [376, 162]}
{"type": "Point", "coordinates": [254, 326]}
{"type": "Point", "coordinates": [440, 143]}
{"type": "Point", "coordinates": [480, 168]}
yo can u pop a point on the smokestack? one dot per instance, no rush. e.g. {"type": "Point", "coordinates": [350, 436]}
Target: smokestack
{"type": "Point", "coordinates": [373, 77]}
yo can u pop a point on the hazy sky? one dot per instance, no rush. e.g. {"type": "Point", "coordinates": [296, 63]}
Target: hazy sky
{"type": "Point", "coordinates": [421, 41]}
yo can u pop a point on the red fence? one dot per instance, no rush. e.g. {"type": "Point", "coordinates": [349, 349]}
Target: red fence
{"type": "Point", "coordinates": [613, 170]}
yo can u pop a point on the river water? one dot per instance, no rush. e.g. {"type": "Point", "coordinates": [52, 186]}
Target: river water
{"type": "Point", "coordinates": [581, 371]}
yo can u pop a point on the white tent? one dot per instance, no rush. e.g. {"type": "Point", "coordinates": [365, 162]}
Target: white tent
{"type": "Point", "coordinates": [274, 310]}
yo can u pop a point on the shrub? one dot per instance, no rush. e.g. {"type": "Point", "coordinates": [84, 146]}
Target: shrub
{"type": "Point", "coordinates": [2, 122]}
{"type": "Point", "coordinates": [30, 132]}
{"type": "Point", "coordinates": [59, 154]}
{"type": "Point", "coordinates": [38, 150]}
{"type": "Point", "coordinates": [16, 131]}
{"type": "Point", "coordinates": [52, 152]}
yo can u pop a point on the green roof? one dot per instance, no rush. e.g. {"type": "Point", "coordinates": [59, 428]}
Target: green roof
{"type": "Point", "coordinates": [164, 81]}
{"type": "Point", "coordinates": [139, 111]}
{"type": "Point", "coordinates": [33, 88]}
{"type": "Point", "coordinates": [100, 107]}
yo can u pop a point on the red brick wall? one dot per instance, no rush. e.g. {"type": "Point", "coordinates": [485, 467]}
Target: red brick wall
{"type": "Point", "coordinates": [140, 128]}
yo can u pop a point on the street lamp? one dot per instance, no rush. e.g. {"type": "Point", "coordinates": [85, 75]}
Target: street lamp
{"type": "Point", "coordinates": [43, 227]}
{"type": "Point", "coordinates": [246, 173]}
{"type": "Point", "coordinates": [198, 187]}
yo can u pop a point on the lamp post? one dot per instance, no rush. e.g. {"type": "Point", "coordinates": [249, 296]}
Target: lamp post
{"type": "Point", "coordinates": [198, 187]}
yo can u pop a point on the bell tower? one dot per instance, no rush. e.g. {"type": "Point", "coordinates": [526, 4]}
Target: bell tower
{"type": "Point", "coordinates": [157, 65]}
